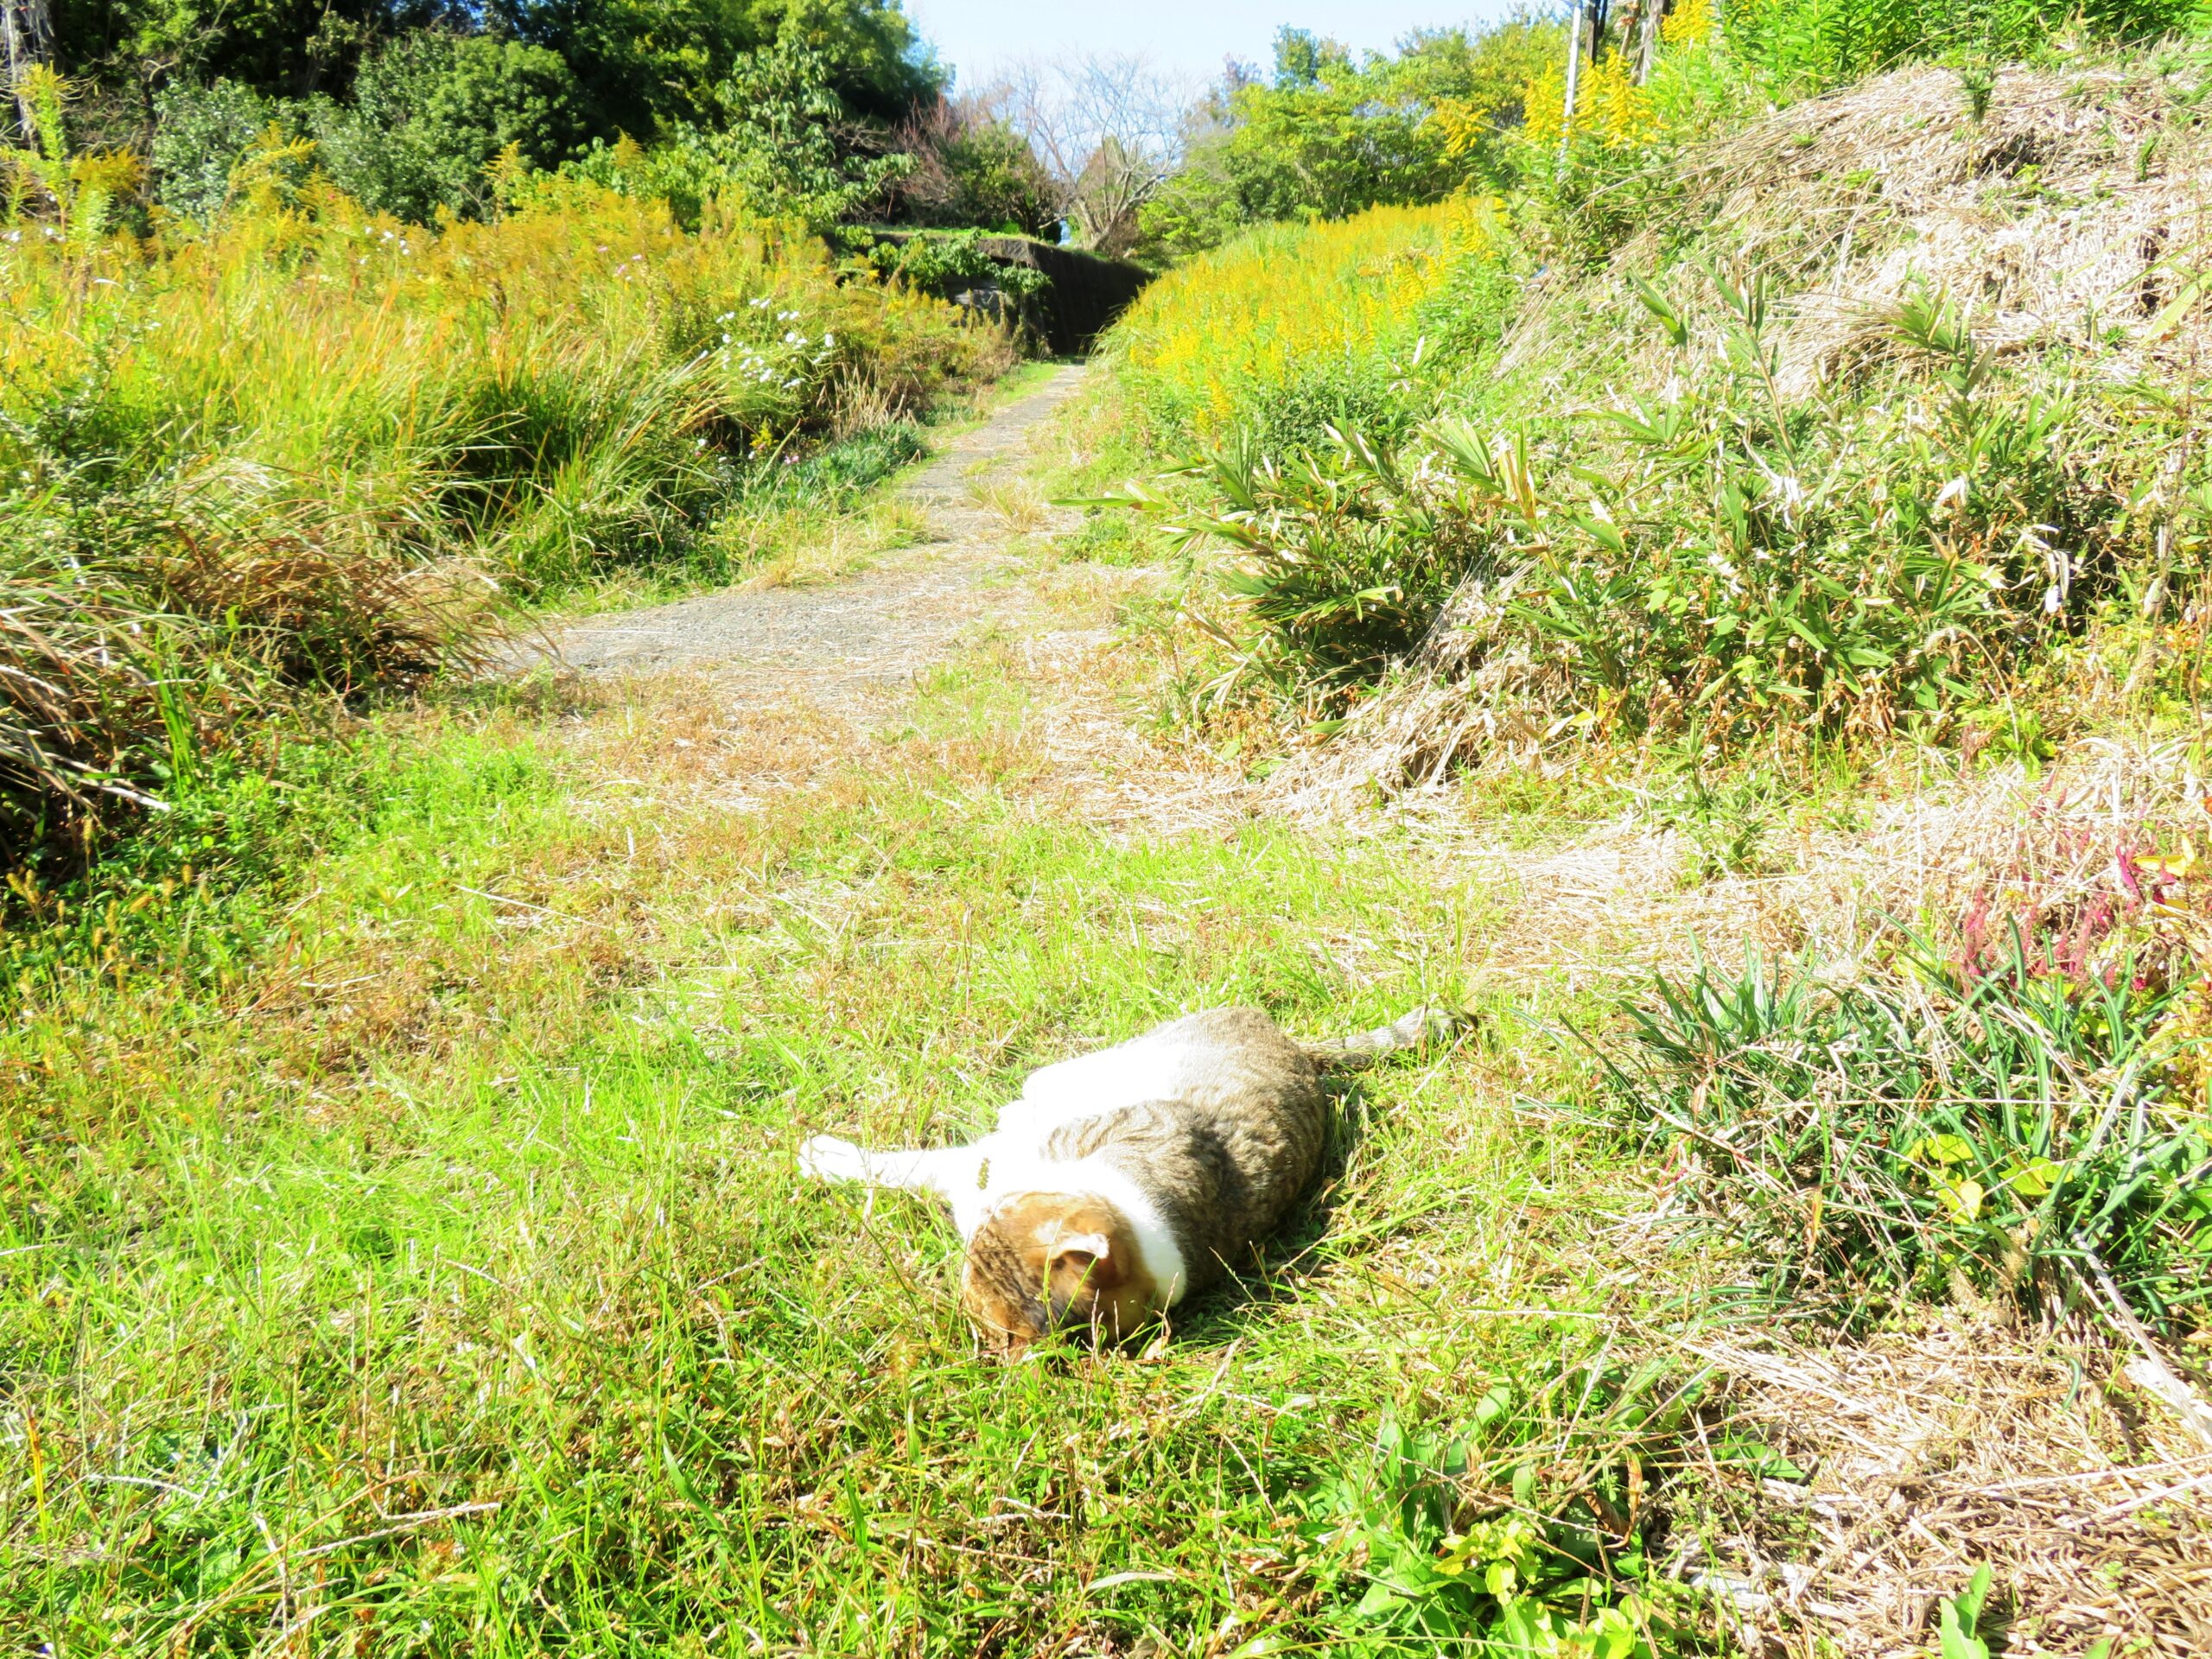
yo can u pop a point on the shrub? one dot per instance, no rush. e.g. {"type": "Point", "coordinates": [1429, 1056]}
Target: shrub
{"type": "Point", "coordinates": [1725, 557]}
{"type": "Point", "coordinates": [1341, 564]}
{"type": "Point", "coordinates": [971, 170]}
{"type": "Point", "coordinates": [200, 135]}
{"type": "Point", "coordinates": [431, 111]}
{"type": "Point", "coordinates": [140, 628]}
{"type": "Point", "coordinates": [775, 150]}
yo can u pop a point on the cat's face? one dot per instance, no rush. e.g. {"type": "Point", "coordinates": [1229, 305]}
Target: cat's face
{"type": "Point", "coordinates": [1048, 1262]}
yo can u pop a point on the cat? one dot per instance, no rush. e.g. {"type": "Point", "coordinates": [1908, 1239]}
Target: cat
{"type": "Point", "coordinates": [1120, 1182]}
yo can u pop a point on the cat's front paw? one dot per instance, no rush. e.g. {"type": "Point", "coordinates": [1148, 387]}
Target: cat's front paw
{"type": "Point", "coordinates": [825, 1158]}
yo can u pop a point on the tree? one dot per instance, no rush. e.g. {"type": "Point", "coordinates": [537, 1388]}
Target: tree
{"type": "Point", "coordinates": [646, 65]}
{"type": "Point", "coordinates": [1108, 132]}
{"type": "Point", "coordinates": [1326, 137]}
{"type": "Point", "coordinates": [971, 167]}
{"type": "Point", "coordinates": [281, 47]}
{"type": "Point", "coordinates": [431, 111]}
{"type": "Point", "coordinates": [781, 145]}
{"type": "Point", "coordinates": [26, 31]}
{"type": "Point", "coordinates": [640, 64]}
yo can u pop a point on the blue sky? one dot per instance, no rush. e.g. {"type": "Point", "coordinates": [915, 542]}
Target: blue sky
{"type": "Point", "coordinates": [1190, 35]}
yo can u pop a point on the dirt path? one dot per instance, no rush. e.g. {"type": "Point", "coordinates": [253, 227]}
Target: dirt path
{"type": "Point", "coordinates": [849, 642]}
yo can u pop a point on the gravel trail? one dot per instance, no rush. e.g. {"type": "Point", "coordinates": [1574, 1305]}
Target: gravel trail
{"type": "Point", "coordinates": [847, 642]}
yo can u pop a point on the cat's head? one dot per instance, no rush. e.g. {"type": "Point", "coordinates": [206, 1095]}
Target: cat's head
{"type": "Point", "coordinates": [1047, 1261]}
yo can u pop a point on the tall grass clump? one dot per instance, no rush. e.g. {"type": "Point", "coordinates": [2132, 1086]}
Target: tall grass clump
{"type": "Point", "coordinates": [2030, 1132]}
{"type": "Point", "coordinates": [304, 447]}
{"type": "Point", "coordinates": [1715, 559]}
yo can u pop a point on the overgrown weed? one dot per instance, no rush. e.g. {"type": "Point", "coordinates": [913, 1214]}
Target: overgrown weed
{"type": "Point", "coordinates": [2008, 1118]}
{"type": "Point", "coordinates": [306, 450]}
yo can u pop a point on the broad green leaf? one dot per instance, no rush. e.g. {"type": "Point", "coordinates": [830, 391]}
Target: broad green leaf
{"type": "Point", "coordinates": [1962, 1198]}
{"type": "Point", "coordinates": [1939, 1149]}
{"type": "Point", "coordinates": [1961, 1616]}
{"type": "Point", "coordinates": [2034, 1178]}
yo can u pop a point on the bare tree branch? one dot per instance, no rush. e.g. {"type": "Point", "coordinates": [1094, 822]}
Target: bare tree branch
{"type": "Point", "coordinates": [1109, 130]}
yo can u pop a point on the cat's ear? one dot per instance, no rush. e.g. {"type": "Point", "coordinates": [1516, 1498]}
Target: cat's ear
{"type": "Point", "coordinates": [1097, 1244]}
{"type": "Point", "coordinates": [1080, 1260]}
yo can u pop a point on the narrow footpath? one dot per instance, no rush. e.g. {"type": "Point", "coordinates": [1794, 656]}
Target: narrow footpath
{"type": "Point", "coordinates": [846, 644]}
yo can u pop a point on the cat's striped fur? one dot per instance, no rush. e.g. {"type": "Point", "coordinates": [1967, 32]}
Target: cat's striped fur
{"type": "Point", "coordinates": [1120, 1181]}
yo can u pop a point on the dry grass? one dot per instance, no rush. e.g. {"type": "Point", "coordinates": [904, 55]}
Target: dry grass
{"type": "Point", "coordinates": [1014, 503]}
{"type": "Point", "coordinates": [1619, 898]}
{"type": "Point", "coordinates": [1930, 1452]}
{"type": "Point", "coordinates": [2074, 212]}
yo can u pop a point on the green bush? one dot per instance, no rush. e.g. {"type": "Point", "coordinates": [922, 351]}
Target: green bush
{"type": "Point", "coordinates": [1724, 555]}
{"type": "Point", "coordinates": [143, 632]}
{"type": "Point", "coordinates": [1327, 137]}
{"type": "Point", "coordinates": [776, 149]}
{"type": "Point", "coordinates": [1342, 563]}
{"type": "Point", "coordinates": [934, 262]}
{"type": "Point", "coordinates": [638, 64]}
{"type": "Point", "coordinates": [431, 111]}
{"type": "Point", "coordinates": [971, 169]}
{"type": "Point", "coordinates": [200, 135]}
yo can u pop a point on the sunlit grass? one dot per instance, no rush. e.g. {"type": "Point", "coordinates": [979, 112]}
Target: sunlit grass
{"type": "Point", "coordinates": [311, 451]}
{"type": "Point", "coordinates": [435, 1275]}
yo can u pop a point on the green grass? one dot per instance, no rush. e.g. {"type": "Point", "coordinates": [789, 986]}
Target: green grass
{"type": "Point", "coordinates": [414, 1263]}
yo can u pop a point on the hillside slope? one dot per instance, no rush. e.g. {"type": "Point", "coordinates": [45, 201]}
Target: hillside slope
{"type": "Point", "coordinates": [2054, 244]}
{"type": "Point", "coordinates": [1801, 603]}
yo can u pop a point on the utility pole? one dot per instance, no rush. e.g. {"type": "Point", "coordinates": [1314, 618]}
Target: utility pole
{"type": "Point", "coordinates": [29, 39]}
{"type": "Point", "coordinates": [1574, 82]}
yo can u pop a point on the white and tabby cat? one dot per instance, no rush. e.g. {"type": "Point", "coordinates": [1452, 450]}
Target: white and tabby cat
{"type": "Point", "coordinates": [1121, 1181]}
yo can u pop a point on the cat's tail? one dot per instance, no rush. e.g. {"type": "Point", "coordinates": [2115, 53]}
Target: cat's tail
{"type": "Point", "coordinates": [1414, 1029]}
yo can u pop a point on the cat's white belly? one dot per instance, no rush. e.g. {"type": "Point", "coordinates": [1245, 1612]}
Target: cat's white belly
{"type": "Point", "coordinates": [1092, 1084]}
{"type": "Point", "coordinates": [1010, 1161]}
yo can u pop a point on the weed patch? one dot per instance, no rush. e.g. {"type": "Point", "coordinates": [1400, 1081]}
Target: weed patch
{"type": "Point", "coordinates": [2014, 1128]}
{"type": "Point", "coordinates": [312, 453]}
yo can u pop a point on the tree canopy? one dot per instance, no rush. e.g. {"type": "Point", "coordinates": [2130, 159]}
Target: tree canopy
{"type": "Point", "coordinates": [635, 64]}
{"type": "Point", "coordinates": [1327, 135]}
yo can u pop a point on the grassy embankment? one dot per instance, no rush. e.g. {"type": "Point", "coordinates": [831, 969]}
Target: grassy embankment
{"type": "Point", "coordinates": [407, 1257]}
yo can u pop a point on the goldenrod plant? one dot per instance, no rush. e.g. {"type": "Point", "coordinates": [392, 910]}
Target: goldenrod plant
{"type": "Point", "coordinates": [333, 443]}
{"type": "Point", "coordinates": [81, 191]}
